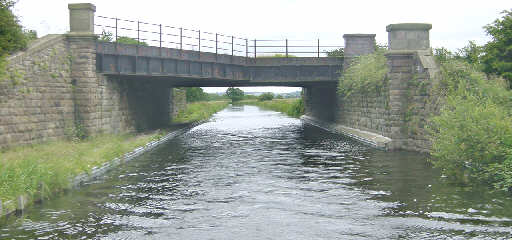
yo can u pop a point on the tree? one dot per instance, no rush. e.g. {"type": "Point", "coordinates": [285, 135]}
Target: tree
{"type": "Point", "coordinates": [235, 94]}
{"type": "Point", "coordinates": [107, 36]}
{"type": "Point", "coordinates": [12, 37]}
{"type": "Point", "coordinates": [497, 56]}
{"type": "Point", "coordinates": [470, 53]}
{"type": "Point", "coordinates": [266, 96]}
{"type": "Point", "coordinates": [195, 94]}
{"type": "Point", "coordinates": [340, 52]}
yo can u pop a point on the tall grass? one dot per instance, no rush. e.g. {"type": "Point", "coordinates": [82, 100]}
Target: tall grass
{"type": "Point", "coordinates": [24, 169]}
{"type": "Point", "coordinates": [199, 111]}
{"type": "Point", "coordinates": [291, 107]}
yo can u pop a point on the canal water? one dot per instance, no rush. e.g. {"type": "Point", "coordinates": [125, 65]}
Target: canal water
{"type": "Point", "coordinates": [256, 174]}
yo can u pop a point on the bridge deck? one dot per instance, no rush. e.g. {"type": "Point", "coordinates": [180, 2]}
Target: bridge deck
{"type": "Point", "coordinates": [193, 68]}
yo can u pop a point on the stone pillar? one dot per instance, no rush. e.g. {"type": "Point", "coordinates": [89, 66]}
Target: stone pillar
{"type": "Point", "coordinates": [405, 40]}
{"type": "Point", "coordinates": [357, 45]}
{"type": "Point", "coordinates": [82, 54]}
{"type": "Point", "coordinates": [409, 36]}
{"type": "Point", "coordinates": [81, 17]}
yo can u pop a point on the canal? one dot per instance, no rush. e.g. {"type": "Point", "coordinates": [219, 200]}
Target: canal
{"type": "Point", "coordinates": [249, 173]}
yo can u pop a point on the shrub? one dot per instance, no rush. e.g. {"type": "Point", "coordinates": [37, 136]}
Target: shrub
{"type": "Point", "coordinates": [472, 136]}
{"type": "Point", "coordinates": [366, 73]}
{"type": "Point", "coordinates": [266, 97]}
{"type": "Point", "coordinates": [195, 94]}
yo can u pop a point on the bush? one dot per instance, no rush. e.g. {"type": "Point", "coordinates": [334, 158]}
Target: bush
{"type": "Point", "coordinates": [472, 136]}
{"type": "Point", "coordinates": [366, 73]}
{"type": "Point", "coordinates": [12, 37]}
{"type": "Point", "coordinates": [195, 94]}
{"type": "Point", "coordinates": [266, 97]}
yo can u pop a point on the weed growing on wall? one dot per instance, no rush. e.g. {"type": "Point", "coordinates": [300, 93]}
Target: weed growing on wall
{"type": "Point", "coordinates": [366, 73]}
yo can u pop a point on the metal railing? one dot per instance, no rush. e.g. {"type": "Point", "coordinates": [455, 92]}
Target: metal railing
{"type": "Point", "coordinates": [158, 35]}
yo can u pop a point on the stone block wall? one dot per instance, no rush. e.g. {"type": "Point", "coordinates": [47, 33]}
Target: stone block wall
{"type": "Point", "coordinates": [178, 101]}
{"type": "Point", "coordinates": [401, 109]}
{"type": "Point", "coordinates": [367, 112]}
{"type": "Point", "coordinates": [36, 97]}
{"type": "Point", "coordinates": [52, 89]}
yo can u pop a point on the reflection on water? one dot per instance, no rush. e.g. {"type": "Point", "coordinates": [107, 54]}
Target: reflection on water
{"type": "Point", "coordinates": [255, 174]}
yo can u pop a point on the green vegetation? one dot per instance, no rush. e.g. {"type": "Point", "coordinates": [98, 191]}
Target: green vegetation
{"type": "Point", "coordinates": [12, 35]}
{"type": "Point", "coordinates": [291, 107]}
{"type": "Point", "coordinates": [235, 94]}
{"type": "Point", "coordinates": [472, 136]}
{"type": "Point", "coordinates": [497, 54]}
{"type": "Point", "coordinates": [268, 96]}
{"type": "Point", "coordinates": [340, 52]}
{"type": "Point", "coordinates": [195, 94]}
{"type": "Point", "coordinates": [366, 73]}
{"type": "Point", "coordinates": [199, 111]}
{"type": "Point", "coordinates": [108, 37]}
{"type": "Point", "coordinates": [53, 164]}
{"type": "Point", "coordinates": [277, 55]}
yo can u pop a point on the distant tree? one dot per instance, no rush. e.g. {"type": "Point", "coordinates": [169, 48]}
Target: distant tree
{"type": "Point", "coordinates": [266, 96]}
{"type": "Point", "coordinates": [129, 40]}
{"type": "Point", "coordinates": [497, 57]}
{"type": "Point", "coordinates": [250, 97]}
{"type": "Point", "coordinates": [235, 94]}
{"type": "Point", "coordinates": [12, 37]}
{"type": "Point", "coordinates": [215, 97]}
{"type": "Point", "coordinates": [107, 36]}
{"type": "Point", "coordinates": [340, 52]}
{"type": "Point", "coordinates": [279, 96]}
{"type": "Point", "coordinates": [195, 94]}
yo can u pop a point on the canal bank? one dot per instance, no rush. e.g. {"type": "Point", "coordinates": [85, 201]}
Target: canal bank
{"type": "Point", "coordinates": [30, 174]}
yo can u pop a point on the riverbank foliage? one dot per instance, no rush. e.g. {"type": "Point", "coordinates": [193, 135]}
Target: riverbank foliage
{"type": "Point", "coordinates": [24, 170]}
{"type": "Point", "coordinates": [293, 107]}
{"type": "Point", "coordinates": [366, 73]}
{"type": "Point", "coordinates": [472, 135]}
{"type": "Point", "coordinates": [197, 111]}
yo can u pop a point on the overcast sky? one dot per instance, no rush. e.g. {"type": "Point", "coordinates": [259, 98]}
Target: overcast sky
{"type": "Point", "coordinates": [454, 23]}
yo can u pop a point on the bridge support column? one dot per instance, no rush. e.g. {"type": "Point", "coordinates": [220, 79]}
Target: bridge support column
{"type": "Point", "coordinates": [357, 45]}
{"type": "Point", "coordinates": [82, 55]}
{"type": "Point", "coordinates": [405, 41]}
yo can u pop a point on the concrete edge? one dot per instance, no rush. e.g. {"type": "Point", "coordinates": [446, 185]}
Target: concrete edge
{"type": "Point", "coordinates": [368, 138]}
{"type": "Point", "coordinates": [24, 201]}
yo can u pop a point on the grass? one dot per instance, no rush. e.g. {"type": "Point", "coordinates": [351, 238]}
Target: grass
{"type": "Point", "coordinates": [292, 107]}
{"type": "Point", "coordinates": [24, 170]}
{"type": "Point", "coordinates": [199, 111]}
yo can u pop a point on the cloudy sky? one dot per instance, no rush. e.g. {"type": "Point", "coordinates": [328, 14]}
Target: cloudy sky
{"type": "Point", "coordinates": [454, 23]}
